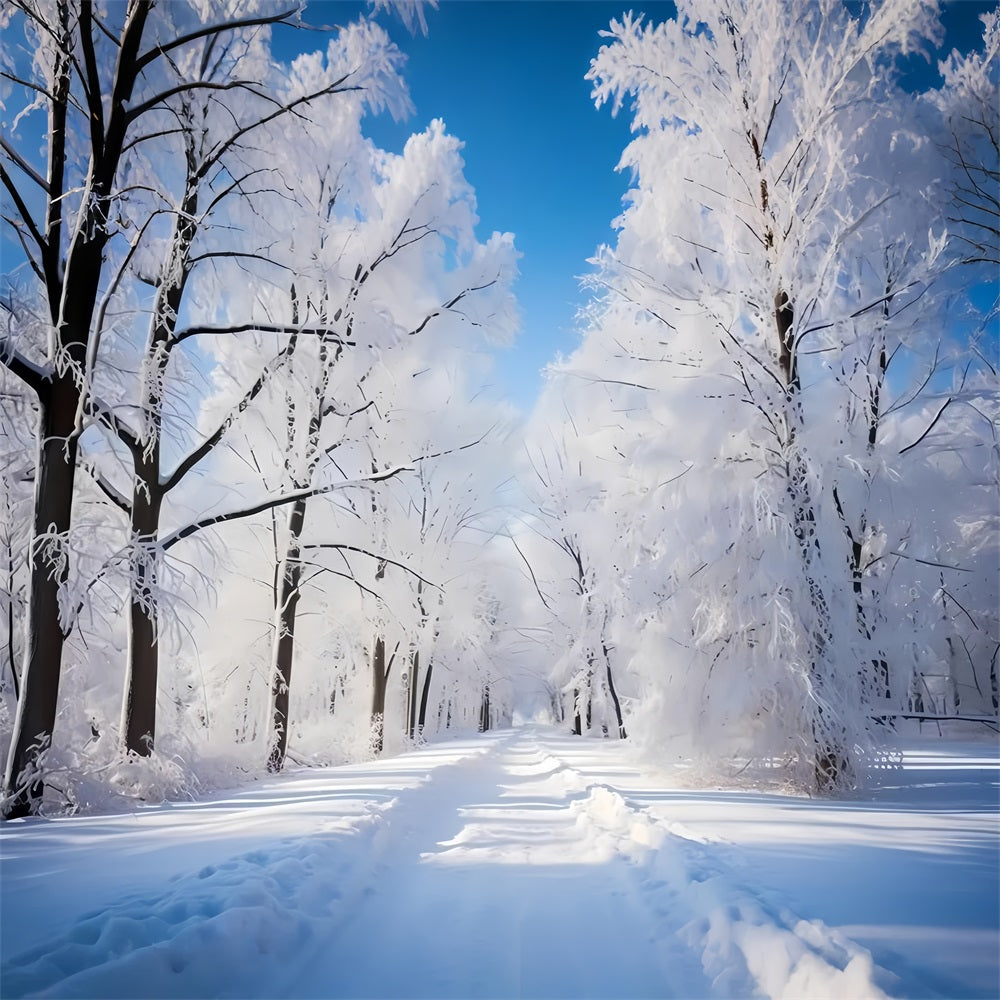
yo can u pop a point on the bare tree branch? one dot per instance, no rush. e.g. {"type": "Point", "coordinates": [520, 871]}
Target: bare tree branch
{"type": "Point", "coordinates": [930, 427]}
{"type": "Point", "coordinates": [373, 555]}
{"type": "Point", "coordinates": [210, 31]}
{"type": "Point", "coordinates": [9, 149]}
{"type": "Point", "coordinates": [216, 331]}
{"type": "Point", "coordinates": [304, 494]}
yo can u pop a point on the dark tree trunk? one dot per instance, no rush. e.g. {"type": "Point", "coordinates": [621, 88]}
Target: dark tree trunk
{"type": "Point", "coordinates": [378, 693]}
{"type": "Point", "coordinates": [72, 295]}
{"type": "Point", "coordinates": [414, 673]}
{"type": "Point", "coordinates": [138, 724]}
{"type": "Point", "coordinates": [59, 404]}
{"type": "Point", "coordinates": [614, 696]}
{"type": "Point", "coordinates": [379, 671]}
{"type": "Point", "coordinates": [288, 601]}
{"type": "Point", "coordinates": [582, 707]}
{"type": "Point", "coordinates": [36, 708]}
{"type": "Point", "coordinates": [994, 689]}
{"type": "Point", "coordinates": [879, 663]}
{"type": "Point", "coordinates": [422, 718]}
{"type": "Point", "coordinates": [484, 711]}
{"type": "Point", "coordinates": [139, 703]}
{"type": "Point", "coordinates": [413, 680]}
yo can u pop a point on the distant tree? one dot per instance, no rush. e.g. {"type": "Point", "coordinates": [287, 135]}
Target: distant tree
{"type": "Point", "coordinates": [381, 224]}
{"type": "Point", "coordinates": [579, 516]}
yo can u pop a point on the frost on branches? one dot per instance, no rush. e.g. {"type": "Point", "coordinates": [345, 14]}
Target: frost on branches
{"type": "Point", "coordinates": [770, 313]}
{"type": "Point", "coordinates": [217, 337]}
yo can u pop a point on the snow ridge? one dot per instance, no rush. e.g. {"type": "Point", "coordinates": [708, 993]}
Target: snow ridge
{"type": "Point", "coordinates": [745, 947]}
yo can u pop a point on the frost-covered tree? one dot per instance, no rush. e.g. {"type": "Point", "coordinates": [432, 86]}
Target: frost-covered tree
{"type": "Point", "coordinates": [102, 79]}
{"type": "Point", "coordinates": [967, 100]}
{"type": "Point", "coordinates": [764, 272]}
{"type": "Point", "coordinates": [580, 493]}
{"type": "Point", "coordinates": [398, 274]}
{"type": "Point", "coordinates": [153, 114]}
{"type": "Point", "coordinates": [451, 623]}
{"type": "Point", "coordinates": [214, 171]}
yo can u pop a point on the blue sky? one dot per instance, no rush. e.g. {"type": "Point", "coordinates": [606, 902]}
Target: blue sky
{"type": "Point", "coordinates": [507, 77]}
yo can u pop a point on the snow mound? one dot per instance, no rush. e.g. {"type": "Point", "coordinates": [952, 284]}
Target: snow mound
{"type": "Point", "coordinates": [745, 948]}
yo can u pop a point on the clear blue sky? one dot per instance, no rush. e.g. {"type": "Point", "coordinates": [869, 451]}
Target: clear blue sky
{"type": "Point", "coordinates": [507, 77]}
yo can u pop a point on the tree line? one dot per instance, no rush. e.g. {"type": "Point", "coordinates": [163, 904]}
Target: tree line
{"type": "Point", "coordinates": [221, 268]}
{"type": "Point", "coordinates": [768, 475]}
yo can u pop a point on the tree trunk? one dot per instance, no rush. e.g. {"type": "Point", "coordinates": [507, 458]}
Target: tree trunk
{"type": "Point", "coordinates": [581, 711]}
{"type": "Point", "coordinates": [72, 295]}
{"type": "Point", "coordinates": [411, 711]}
{"type": "Point", "coordinates": [138, 723]}
{"type": "Point", "coordinates": [422, 718]}
{"type": "Point", "coordinates": [865, 629]}
{"type": "Point", "coordinates": [379, 673]}
{"type": "Point", "coordinates": [378, 693]}
{"type": "Point", "coordinates": [583, 707]}
{"type": "Point", "coordinates": [484, 711]}
{"type": "Point", "coordinates": [994, 690]}
{"type": "Point", "coordinates": [415, 655]}
{"type": "Point", "coordinates": [830, 761]}
{"type": "Point", "coordinates": [284, 643]}
{"type": "Point", "coordinates": [36, 708]}
{"type": "Point", "coordinates": [614, 696]}
{"type": "Point", "coordinates": [59, 406]}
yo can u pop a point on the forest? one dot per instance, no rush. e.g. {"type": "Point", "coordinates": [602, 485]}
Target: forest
{"type": "Point", "coordinates": [257, 507]}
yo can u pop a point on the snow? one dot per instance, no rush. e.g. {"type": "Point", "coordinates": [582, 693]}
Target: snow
{"type": "Point", "coordinates": [518, 863]}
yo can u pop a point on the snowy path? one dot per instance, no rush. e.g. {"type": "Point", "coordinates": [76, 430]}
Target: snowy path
{"type": "Point", "coordinates": [494, 882]}
{"type": "Point", "coordinates": [521, 863]}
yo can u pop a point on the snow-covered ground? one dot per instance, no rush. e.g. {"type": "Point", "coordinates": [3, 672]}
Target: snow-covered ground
{"type": "Point", "coordinates": [519, 863]}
